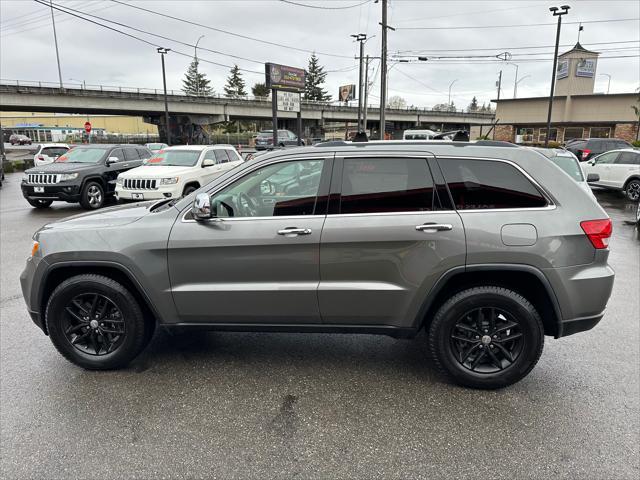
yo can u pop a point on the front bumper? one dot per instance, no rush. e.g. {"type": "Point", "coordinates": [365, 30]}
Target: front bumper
{"type": "Point", "coordinates": [67, 193]}
{"type": "Point", "coordinates": [30, 283]}
{"type": "Point", "coordinates": [162, 192]}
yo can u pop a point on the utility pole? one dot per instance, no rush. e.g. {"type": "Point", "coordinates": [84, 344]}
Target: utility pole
{"type": "Point", "coordinates": [366, 94]}
{"type": "Point", "coordinates": [383, 69]}
{"type": "Point", "coordinates": [195, 57]}
{"type": "Point", "coordinates": [55, 40]}
{"type": "Point", "coordinates": [499, 83]}
{"type": "Point", "coordinates": [360, 37]}
{"type": "Point", "coordinates": [450, 85]}
{"type": "Point", "coordinates": [557, 12]}
{"type": "Point", "coordinates": [163, 51]}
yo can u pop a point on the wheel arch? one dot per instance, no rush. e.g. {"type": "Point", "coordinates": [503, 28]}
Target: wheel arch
{"type": "Point", "coordinates": [526, 280]}
{"type": "Point", "coordinates": [91, 178]}
{"type": "Point", "coordinates": [632, 177]}
{"type": "Point", "coordinates": [57, 273]}
{"type": "Point", "coordinates": [191, 183]}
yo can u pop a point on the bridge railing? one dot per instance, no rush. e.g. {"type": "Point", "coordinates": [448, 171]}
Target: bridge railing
{"type": "Point", "coordinates": [76, 88]}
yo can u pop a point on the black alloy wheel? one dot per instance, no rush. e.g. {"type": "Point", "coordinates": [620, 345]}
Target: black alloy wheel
{"type": "Point", "coordinates": [94, 324]}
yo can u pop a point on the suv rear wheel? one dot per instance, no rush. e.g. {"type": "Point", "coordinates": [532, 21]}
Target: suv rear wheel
{"type": "Point", "coordinates": [92, 196]}
{"type": "Point", "coordinates": [39, 203]}
{"type": "Point", "coordinates": [95, 322]}
{"type": "Point", "coordinates": [632, 190]}
{"type": "Point", "coordinates": [486, 337]}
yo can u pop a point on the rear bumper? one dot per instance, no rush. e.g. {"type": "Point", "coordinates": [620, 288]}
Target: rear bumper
{"type": "Point", "coordinates": [67, 193]}
{"type": "Point", "coordinates": [576, 325]}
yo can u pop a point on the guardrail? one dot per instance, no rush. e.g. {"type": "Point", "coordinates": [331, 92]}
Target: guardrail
{"type": "Point", "coordinates": [178, 95]}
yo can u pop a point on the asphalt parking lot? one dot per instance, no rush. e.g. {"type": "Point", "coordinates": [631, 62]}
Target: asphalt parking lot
{"type": "Point", "coordinates": [238, 405]}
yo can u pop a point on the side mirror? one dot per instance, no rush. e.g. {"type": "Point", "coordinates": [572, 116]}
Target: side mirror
{"type": "Point", "coordinates": [201, 209]}
{"type": "Point", "coordinates": [208, 162]}
{"type": "Point", "coordinates": [111, 160]}
{"type": "Point", "coordinates": [593, 177]}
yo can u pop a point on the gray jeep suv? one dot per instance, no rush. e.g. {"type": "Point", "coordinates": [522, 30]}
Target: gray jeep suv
{"type": "Point", "coordinates": [487, 246]}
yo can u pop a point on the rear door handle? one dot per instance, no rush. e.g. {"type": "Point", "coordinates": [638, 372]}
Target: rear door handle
{"type": "Point", "coordinates": [294, 231]}
{"type": "Point", "coordinates": [434, 227]}
{"type": "Point", "coordinates": [126, 165]}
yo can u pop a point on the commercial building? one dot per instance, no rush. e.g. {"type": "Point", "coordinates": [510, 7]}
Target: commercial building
{"type": "Point", "coordinates": [577, 112]}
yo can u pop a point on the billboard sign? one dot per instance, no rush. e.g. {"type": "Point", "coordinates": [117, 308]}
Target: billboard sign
{"type": "Point", "coordinates": [563, 69]}
{"type": "Point", "coordinates": [347, 93]}
{"type": "Point", "coordinates": [586, 68]}
{"type": "Point", "coordinates": [288, 101]}
{"type": "Point", "coordinates": [284, 77]}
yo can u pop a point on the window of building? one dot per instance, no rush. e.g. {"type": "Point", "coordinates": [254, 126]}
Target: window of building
{"type": "Point", "coordinates": [487, 184]}
{"type": "Point", "coordinates": [377, 185]}
{"type": "Point", "coordinates": [553, 134]}
{"type": "Point", "coordinates": [526, 135]}
{"type": "Point", "coordinates": [573, 132]}
{"type": "Point", "coordinates": [599, 132]}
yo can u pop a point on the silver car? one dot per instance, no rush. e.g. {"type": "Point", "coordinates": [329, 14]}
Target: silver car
{"type": "Point", "coordinates": [484, 245]}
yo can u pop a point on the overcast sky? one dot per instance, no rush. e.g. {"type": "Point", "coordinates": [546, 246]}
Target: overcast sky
{"type": "Point", "coordinates": [99, 56]}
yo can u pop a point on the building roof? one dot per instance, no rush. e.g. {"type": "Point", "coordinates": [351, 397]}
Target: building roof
{"type": "Point", "coordinates": [578, 48]}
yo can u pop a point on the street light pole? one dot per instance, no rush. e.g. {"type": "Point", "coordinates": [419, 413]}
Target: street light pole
{"type": "Point", "coordinates": [55, 40]}
{"type": "Point", "coordinates": [360, 37]}
{"type": "Point", "coordinates": [557, 12]}
{"type": "Point", "coordinates": [195, 57]}
{"type": "Point", "coordinates": [451, 85]}
{"type": "Point", "coordinates": [383, 69]}
{"type": "Point", "coordinates": [609, 82]}
{"type": "Point", "coordinates": [515, 88]}
{"type": "Point", "coordinates": [163, 51]}
{"type": "Point", "coordinates": [366, 94]}
{"type": "Point", "coordinates": [515, 81]}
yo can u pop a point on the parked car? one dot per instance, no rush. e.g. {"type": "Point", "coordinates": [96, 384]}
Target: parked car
{"type": "Point", "coordinates": [418, 134]}
{"type": "Point", "coordinates": [618, 170]}
{"type": "Point", "coordinates": [176, 172]}
{"type": "Point", "coordinates": [483, 245]}
{"type": "Point", "coordinates": [48, 152]}
{"type": "Point", "coordinates": [85, 174]}
{"type": "Point", "coordinates": [286, 138]}
{"type": "Point", "coordinates": [569, 163]}
{"type": "Point", "coordinates": [16, 139]}
{"type": "Point", "coordinates": [586, 149]}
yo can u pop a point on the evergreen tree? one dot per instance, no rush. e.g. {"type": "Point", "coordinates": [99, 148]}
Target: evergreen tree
{"type": "Point", "coordinates": [315, 77]}
{"type": "Point", "coordinates": [195, 82]}
{"type": "Point", "coordinates": [473, 106]}
{"type": "Point", "coordinates": [260, 90]}
{"type": "Point", "coordinates": [235, 84]}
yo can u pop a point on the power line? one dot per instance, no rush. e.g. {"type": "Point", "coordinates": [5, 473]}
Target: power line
{"type": "Point", "coordinates": [513, 58]}
{"type": "Point", "coordinates": [324, 8]}
{"type": "Point", "coordinates": [246, 37]}
{"type": "Point", "coordinates": [419, 81]}
{"type": "Point", "coordinates": [502, 49]}
{"type": "Point", "coordinates": [468, 27]}
{"type": "Point", "coordinates": [141, 39]}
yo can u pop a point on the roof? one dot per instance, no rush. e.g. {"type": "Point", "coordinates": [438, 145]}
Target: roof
{"type": "Point", "coordinates": [105, 146]}
{"type": "Point", "coordinates": [578, 48]}
{"type": "Point", "coordinates": [198, 147]}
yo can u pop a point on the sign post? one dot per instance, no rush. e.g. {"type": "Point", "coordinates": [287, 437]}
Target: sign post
{"type": "Point", "coordinates": [285, 83]}
{"type": "Point", "coordinates": [87, 129]}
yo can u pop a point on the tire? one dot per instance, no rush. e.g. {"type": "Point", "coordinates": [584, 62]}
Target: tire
{"type": "Point", "coordinates": [39, 203]}
{"type": "Point", "coordinates": [92, 196]}
{"type": "Point", "coordinates": [189, 189]}
{"type": "Point", "coordinates": [632, 190]}
{"type": "Point", "coordinates": [455, 333]}
{"type": "Point", "coordinates": [83, 353]}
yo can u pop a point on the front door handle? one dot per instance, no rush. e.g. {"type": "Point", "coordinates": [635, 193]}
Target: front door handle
{"type": "Point", "coordinates": [294, 231]}
{"type": "Point", "coordinates": [125, 165]}
{"type": "Point", "coordinates": [434, 227]}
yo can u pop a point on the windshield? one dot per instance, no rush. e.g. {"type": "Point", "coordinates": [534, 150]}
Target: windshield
{"type": "Point", "coordinates": [175, 158]}
{"type": "Point", "coordinates": [82, 155]}
{"type": "Point", "coordinates": [155, 146]}
{"type": "Point", "coordinates": [569, 165]}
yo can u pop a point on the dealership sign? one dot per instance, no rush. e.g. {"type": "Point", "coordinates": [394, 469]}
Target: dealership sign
{"type": "Point", "coordinates": [288, 101]}
{"type": "Point", "coordinates": [563, 69]}
{"type": "Point", "coordinates": [284, 77]}
{"type": "Point", "coordinates": [586, 68]}
{"type": "Point", "coordinates": [347, 93]}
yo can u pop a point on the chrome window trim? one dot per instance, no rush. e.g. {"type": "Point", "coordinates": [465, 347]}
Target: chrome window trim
{"type": "Point", "coordinates": [247, 219]}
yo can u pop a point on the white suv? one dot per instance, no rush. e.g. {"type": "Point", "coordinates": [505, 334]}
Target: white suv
{"type": "Point", "coordinates": [618, 170]}
{"type": "Point", "coordinates": [48, 152]}
{"type": "Point", "coordinates": [176, 172]}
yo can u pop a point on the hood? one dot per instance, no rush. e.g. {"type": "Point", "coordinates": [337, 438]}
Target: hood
{"type": "Point", "coordinates": [156, 171]}
{"type": "Point", "coordinates": [62, 167]}
{"type": "Point", "coordinates": [106, 217]}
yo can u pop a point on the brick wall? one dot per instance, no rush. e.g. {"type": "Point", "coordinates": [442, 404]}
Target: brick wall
{"type": "Point", "coordinates": [505, 133]}
{"type": "Point", "coordinates": [626, 131]}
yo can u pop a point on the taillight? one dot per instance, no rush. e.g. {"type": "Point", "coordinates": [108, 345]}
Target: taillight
{"type": "Point", "coordinates": [598, 232]}
{"type": "Point", "coordinates": [585, 154]}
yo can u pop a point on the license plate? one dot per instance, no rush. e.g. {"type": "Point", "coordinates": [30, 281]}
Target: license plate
{"type": "Point", "coordinates": [137, 196]}
{"type": "Point", "coordinates": [38, 189]}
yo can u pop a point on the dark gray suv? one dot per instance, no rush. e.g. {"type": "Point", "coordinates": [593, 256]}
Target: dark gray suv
{"type": "Point", "coordinates": [487, 246]}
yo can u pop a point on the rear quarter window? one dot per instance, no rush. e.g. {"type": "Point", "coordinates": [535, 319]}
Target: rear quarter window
{"type": "Point", "coordinates": [489, 184]}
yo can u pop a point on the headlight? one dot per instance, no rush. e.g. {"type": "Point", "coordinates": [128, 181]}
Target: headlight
{"type": "Point", "coordinates": [119, 181]}
{"type": "Point", "coordinates": [168, 181]}
{"type": "Point", "coordinates": [68, 176]}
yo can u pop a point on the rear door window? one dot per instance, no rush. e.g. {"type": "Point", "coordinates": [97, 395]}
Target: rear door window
{"type": "Point", "coordinates": [628, 158]}
{"type": "Point", "coordinates": [131, 154]}
{"type": "Point", "coordinates": [488, 184]}
{"type": "Point", "coordinates": [381, 185]}
{"type": "Point", "coordinates": [117, 153]}
{"type": "Point", "coordinates": [144, 153]}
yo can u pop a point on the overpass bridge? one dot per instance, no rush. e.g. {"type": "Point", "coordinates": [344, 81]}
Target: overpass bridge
{"type": "Point", "coordinates": [189, 113]}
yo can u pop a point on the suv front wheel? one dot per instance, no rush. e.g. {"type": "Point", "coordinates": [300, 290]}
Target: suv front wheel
{"type": "Point", "coordinates": [95, 322]}
{"type": "Point", "coordinates": [92, 196]}
{"type": "Point", "coordinates": [486, 337]}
